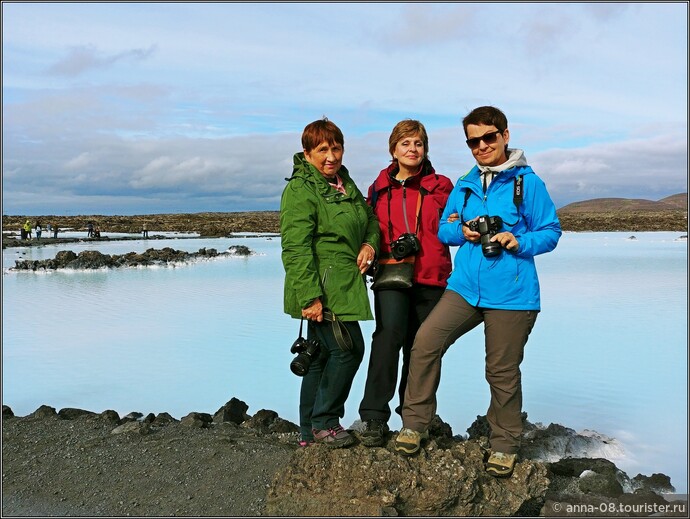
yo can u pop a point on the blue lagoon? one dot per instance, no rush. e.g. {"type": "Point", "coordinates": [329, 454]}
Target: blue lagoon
{"type": "Point", "coordinates": [608, 352]}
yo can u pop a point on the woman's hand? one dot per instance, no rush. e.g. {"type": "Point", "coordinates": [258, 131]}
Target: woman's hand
{"type": "Point", "coordinates": [365, 257]}
{"type": "Point", "coordinates": [507, 241]}
{"type": "Point", "coordinates": [314, 312]}
{"type": "Point", "coordinates": [470, 235]}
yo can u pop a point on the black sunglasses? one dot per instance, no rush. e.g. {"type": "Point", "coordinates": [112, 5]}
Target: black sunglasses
{"type": "Point", "coordinates": [489, 138]}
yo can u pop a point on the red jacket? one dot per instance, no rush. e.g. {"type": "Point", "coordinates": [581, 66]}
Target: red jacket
{"type": "Point", "coordinates": [433, 263]}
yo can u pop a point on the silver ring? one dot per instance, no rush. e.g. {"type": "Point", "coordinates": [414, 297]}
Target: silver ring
{"type": "Point", "coordinates": [369, 262]}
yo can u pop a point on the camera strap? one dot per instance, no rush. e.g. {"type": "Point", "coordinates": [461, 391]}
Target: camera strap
{"type": "Point", "coordinates": [420, 195]}
{"type": "Point", "coordinates": [301, 322]}
{"type": "Point", "coordinates": [340, 331]}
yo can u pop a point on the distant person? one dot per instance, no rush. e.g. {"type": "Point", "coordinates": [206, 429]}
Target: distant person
{"type": "Point", "coordinates": [500, 216]}
{"type": "Point", "coordinates": [27, 230]}
{"type": "Point", "coordinates": [39, 230]}
{"type": "Point", "coordinates": [145, 230]}
{"type": "Point", "coordinates": [330, 237]}
{"type": "Point", "coordinates": [408, 198]}
{"type": "Point", "coordinates": [89, 230]}
{"type": "Point", "coordinates": [55, 231]}
{"type": "Point", "coordinates": [97, 232]}
{"type": "Point", "coordinates": [22, 232]}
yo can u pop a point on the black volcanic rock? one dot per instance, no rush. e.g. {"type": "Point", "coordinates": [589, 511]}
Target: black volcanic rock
{"type": "Point", "coordinates": [91, 259]}
{"type": "Point", "coordinates": [79, 463]}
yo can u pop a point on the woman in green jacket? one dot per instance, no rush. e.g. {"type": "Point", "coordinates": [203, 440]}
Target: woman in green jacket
{"type": "Point", "coordinates": [329, 238]}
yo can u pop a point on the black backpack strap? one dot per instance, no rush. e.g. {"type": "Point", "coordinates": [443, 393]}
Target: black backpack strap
{"type": "Point", "coordinates": [464, 204]}
{"type": "Point", "coordinates": [517, 192]}
{"type": "Point", "coordinates": [517, 197]}
{"type": "Point", "coordinates": [374, 197]}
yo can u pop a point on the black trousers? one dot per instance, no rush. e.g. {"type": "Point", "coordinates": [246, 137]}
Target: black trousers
{"type": "Point", "coordinates": [399, 313]}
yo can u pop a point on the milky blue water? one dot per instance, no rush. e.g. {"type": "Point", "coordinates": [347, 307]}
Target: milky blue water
{"type": "Point", "coordinates": [608, 352]}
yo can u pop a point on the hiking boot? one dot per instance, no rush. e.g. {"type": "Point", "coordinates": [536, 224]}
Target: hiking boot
{"type": "Point", "coordinates": [374, 433]}
{"type": "Point", "coordinates": [335, 437]}
{"type": "Point", "coordinates": [501, 464]}
{"type": "Point", "coordinates": [409, 441]}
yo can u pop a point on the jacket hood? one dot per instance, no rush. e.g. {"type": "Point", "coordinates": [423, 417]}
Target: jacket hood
{"type": "Point", "coordinates": [515, 165]}
{"type": "Point", "coordinates": [302, 168]}
{"type": "Point", "coordinates": [515, 158]}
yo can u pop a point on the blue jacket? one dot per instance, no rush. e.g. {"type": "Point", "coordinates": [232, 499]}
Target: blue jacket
{"type": "Point", "coordinates": [508, 281]}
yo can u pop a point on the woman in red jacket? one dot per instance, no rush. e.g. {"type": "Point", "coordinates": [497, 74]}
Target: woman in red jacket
{"type": "Point", "coordinates": [408, 198]}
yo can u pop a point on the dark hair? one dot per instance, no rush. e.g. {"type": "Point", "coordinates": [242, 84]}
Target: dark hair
{"type": "Point", "coordinates": [407, 128]}
{"type": "Point", "coordinates": [319, 131]}
{"type": "Point", "coordinates": [487, 115]}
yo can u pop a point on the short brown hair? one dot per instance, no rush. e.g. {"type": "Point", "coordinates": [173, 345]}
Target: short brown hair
{"type": "Point", "coordinates": [407, 128]}
{"type": "Point", "coordinates": [487, 115]}
{"type": "Point", "coordinates": [319, 131]}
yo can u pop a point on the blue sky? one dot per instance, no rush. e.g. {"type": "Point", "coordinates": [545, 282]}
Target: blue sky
{"type": "Point", "coordinates": [140, 108]}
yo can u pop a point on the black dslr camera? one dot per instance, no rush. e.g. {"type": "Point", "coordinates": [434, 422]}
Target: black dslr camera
{"type": "Point", "coordinates": [405, 246]}
{"type": "Point", "coordinates": [488, 226]}
{"type": "Point", "coordinates": [307, 351]}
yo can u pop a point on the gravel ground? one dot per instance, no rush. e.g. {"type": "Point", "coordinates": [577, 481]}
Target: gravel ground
{"type": "Point", "coordinates": [57, 467]}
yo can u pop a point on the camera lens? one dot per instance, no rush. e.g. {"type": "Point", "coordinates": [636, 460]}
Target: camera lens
{"type": "Point", "coordinates": [398, 252]}
{"type": "Point", "coordinates": [491, 249]}
{"type": "Point", "coordinates": [300, 365]}
{"type": "Point", "coordinates": [308, 351]}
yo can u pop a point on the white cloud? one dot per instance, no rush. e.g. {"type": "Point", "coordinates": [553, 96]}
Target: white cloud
{"type": "Point", "coordinates": [650, 169]}
{"type": "Point", "coordinates": [205, 103]}
{"type": "Point", "coordinates": [82, 161]}
{"type": "Point", "coordinates": [84, 58]}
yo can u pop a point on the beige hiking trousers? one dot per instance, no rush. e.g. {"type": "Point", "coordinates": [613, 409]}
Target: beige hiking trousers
{"type": "Point", "coordinates": [506, 333]}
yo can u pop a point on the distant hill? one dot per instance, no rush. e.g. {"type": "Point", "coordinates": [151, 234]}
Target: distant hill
{"type": "Point", "coordinates": [679, 201]}
{"type": "Point", "coordinates": [626, 214]}
{"type": "Point", "coordinates": [606, 205]}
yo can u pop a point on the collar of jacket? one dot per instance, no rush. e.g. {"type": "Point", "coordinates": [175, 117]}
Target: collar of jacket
{"type": "Point", "coordinates": [302, 168]}
{"type": "Point", "coordinates": [472, 179]}
{"type": "Point", "coordinates": [426, 178]}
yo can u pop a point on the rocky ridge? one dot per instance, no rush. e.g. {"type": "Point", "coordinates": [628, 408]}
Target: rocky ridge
{"type": "Point", "coordinates": [76, 462]}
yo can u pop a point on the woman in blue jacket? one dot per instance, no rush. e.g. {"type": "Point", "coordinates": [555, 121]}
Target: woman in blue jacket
{"type": "Point", "coordinates": [500, 216]}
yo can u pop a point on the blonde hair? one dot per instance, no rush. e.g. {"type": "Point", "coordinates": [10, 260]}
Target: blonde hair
{"type": "Point", "coordinates": [408, 128]}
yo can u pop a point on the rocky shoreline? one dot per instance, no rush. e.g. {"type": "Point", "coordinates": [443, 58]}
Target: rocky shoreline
{"type": "Point", "coordinates": [208, 225]}
{"type": "Point", "coordinates": [82, 463]}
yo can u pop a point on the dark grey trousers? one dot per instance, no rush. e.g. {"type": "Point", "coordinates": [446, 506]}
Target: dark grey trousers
{"type": "Point", "coordinates": [506, 333]}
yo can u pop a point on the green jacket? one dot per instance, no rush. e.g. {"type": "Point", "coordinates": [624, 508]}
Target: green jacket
{"type": "Point", "coordinates": [321, 233]}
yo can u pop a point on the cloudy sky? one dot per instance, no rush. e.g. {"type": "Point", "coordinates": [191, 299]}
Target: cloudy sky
{"type": "Point", "coordinates": [140, 108]}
